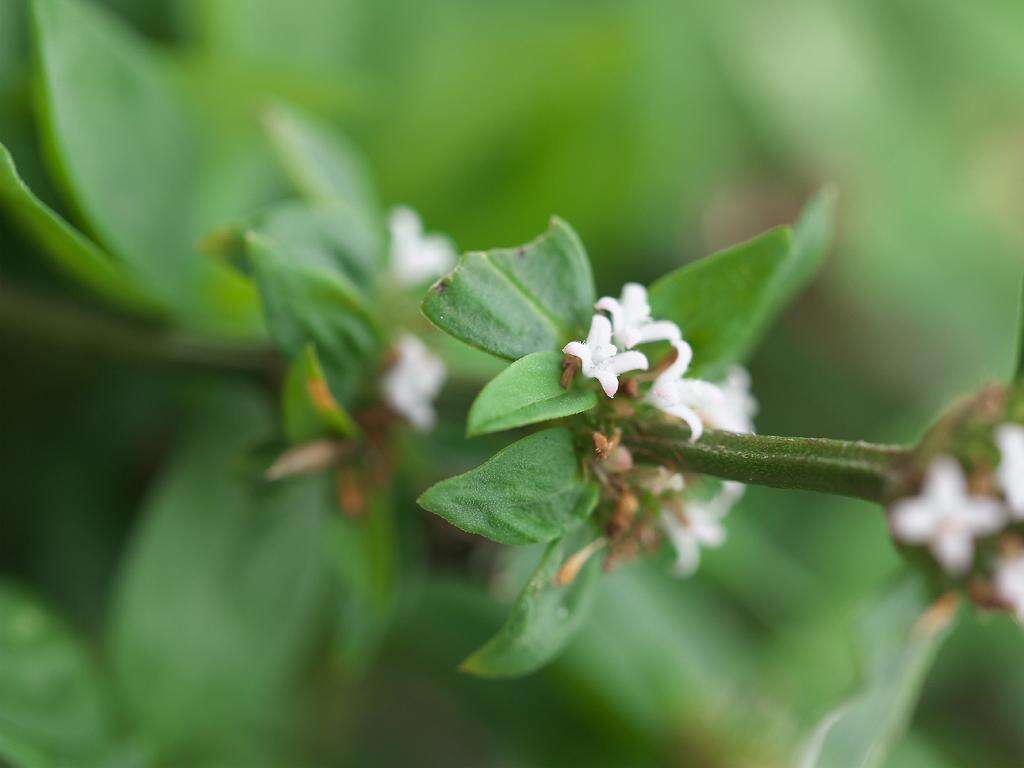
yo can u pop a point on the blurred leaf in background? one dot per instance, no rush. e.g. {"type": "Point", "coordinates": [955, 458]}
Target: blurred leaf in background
{"type": "Point", "coordinates": [663, 131]}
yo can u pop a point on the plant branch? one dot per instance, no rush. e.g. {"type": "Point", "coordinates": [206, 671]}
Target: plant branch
{"type": "Point", "coordinates": [35, 320]}
{"type": "Point", "coordinates": [856, 469]}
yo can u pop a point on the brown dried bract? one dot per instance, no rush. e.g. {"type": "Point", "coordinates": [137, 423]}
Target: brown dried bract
{"type": "Point", "coordinates": [570, 367]}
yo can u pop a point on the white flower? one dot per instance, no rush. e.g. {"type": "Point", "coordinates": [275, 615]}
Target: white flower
{"type": "Point", "coordinates": [601, 360]}
{"type": "Point", "coordinates": [417, 257]}
{"type": "Point", "coordinates": [1009, 583]}
{"type": "Point", "coordinates": [945, 517]}
{"type": "Point", "coordinates": [741, 405]}
{"type": "Point", "coordinates": [1010, 438]}
{"type": "Point", "coordinates": [631, 317]}
{"type": "Point", "coordinates": [412, 383]}
{"type": "Point", "coordinates": [663, 480]}
{"type": "Point", "coordinates": [695, 524]}
{"type": "Point", "coordinates": [701, 403]}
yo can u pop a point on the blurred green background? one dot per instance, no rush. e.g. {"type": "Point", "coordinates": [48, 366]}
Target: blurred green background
{"type": "Point", "coordinates": [662, 131]}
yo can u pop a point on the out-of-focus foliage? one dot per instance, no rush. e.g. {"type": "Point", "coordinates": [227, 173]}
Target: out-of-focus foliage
{"type": "Point", "coordinates": [662, 131]}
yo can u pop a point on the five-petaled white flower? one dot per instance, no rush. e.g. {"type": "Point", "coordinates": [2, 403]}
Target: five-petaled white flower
{"type": "Point", "coordinates": [412, 383]}
{"type": "Point", "coordinates": [691, 525]}
{"type": "Point", "coordinates": [1009, 582]}
{"type": "Point", "coordinates": [600, 359]}
{"type": "Point", "coordinates": [945, 517]}
{"type": "Point", "coordinates": [631, 318]}
{"type": "Point", "coordinates": [701, 403]}
{"type": "Point", "coordinates": [1010, 438]}
{"type": "Point", "coordinates": [417, 257]}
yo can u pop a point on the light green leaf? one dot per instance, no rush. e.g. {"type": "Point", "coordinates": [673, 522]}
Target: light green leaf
{"type": "Point", "coordinates": [543, 619]}
{"type": "Point", "coordinates": [53, 707]}
{"type": "Point", "coordinates": [309, 408]}
{"type": "Point", "coordinates": [221, 603]}
{"type": "Point", "coordinates": [67, 248]}
{"type": "Point", "coordinates": [118, 133]}
{"type": "Point", "coordinates": [306, 303]}
{"type": "Point", "coordinates": [531, 491]}
{"type": "Point", "coordinates": [526, 392]}
{"type": "Point", "coordinates": [321, 163]}
{"type": "Point", "coordinates": [900, 639]}
{"type": "Point", "coordinates": [726, 302]}
{"type": "Point", "coordinates": [514, 301]}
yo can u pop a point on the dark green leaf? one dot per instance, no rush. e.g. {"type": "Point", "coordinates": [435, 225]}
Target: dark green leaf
{"type": "Point", "coordinates": [726, 302]}
{"type": "Point", "coordinates": [526, 392]}
{"type": "Point", "coordinates": [309, 408]}
{"type": "Point", "coordinates": [321, 163]}
{"type": "Point", "coordinates": [362, 553]}
{"type": "Point", "coordinates": [70, 251]}
{"type": "Point", "coordinates": [223, 596]}
{"type": "Point", "coordinates": [531, 491]}
{"type": "Point", "coordinates": [514, 301]}
{"type": "Point", "coordinates": [900, 639]}
{"type": "Point", "coordinates": [328, 235]}
{"type": "Point", "coordinates": [305, 303]}
{"type": "Point", "coordinates": [543, 619]}
{"type": "Point", "coordinates": [53, 709]}
{"type": "Point", "coordinates": [121, 140]}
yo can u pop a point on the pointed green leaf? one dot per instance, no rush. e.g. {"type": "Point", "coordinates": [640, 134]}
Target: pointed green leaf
{"type": "Point", "coordinates": [68, 249]}
{"type": "Point", "coordinates": [310, 410]}
{"type": "Point", "coordinates": [726, 302]}
{"type": "Point", "coordinates": [544, 617]}
{"type": "Point", "coordinates": [321, 163]}
{"type": "Point", "coordinates": [900, 638]}
{"type": "Point", "coordinates": [53, 707]}
{"type": "Point", "coordinates": [531, 491]}
{"type": "Point", "coordinates": [118, 132]}
{"type": "Point", "coordinates": [514, 301]}
{"type": "Point", "coordinates": [306, 303]}
{"type": "Point", "coordinates": [527, 392]}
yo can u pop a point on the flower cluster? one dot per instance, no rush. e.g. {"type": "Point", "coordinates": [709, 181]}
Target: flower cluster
{"type": "Point", "coordinates": [948, 518]}
{"type": "Point", "coordinates": [727, 406]}
{"type": "Point", "coordinates": [608, 353]}
{"type": "Point", "coordinates": [413, 381]}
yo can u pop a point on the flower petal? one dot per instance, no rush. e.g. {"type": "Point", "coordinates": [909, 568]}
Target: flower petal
{"type": "Point", "coordinates": [609, 381]}
{"type": "Point", "coordinates": [600, 332]}
{"type": "Point", "coordinates": [628, 361]}
{"type": "Point", "coordinates": [661, 330]}
{"type": "Point", "coordinates": [913, 520]}
{"type": "Point", "coordinates": [954, 551]}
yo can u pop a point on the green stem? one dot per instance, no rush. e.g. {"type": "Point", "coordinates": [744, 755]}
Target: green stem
{"type": "Point", "coordinates": [861, 470]}
{"type": "Point", "coordinates": [37, 321]}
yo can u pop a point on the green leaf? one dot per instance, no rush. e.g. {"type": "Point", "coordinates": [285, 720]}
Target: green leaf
{"type": "Point", "coordinates": [306, 303]}
{"type": "Point", "coordinates": [67, 248]}
{"type": "Point", "coordinates": [329, 235]}
{"type": "Point", "coordinates": [321, 163]}
{"type": "Point", "coordinates": [543, 619]}
{"type": "Point", "coordinates": [526, 392]}
{"type": "Point", "coordinates": [361, 551]}
{"type": "Point", "coordinates": [53, 705]}
{"type": "Point", "coordinates": [221, 603]}
{"type": "Point", "coordinates": [514, 301]}
{"type": "Point", "coordinates": [310, 410]}
{"type": "Point", "coordinates": [118, 133]}
{"type": "Point", "coordinates": [900, 640]}
{"type": "Point", "coordinates": [531, 491]}
{"type": "Point", "coordinates": [726, 302]}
